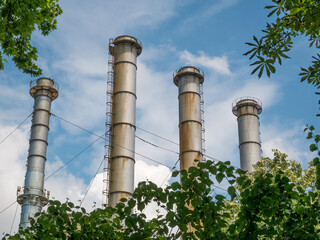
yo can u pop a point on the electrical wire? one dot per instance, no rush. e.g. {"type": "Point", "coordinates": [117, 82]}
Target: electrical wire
{"type": "Point", "coordinates": [91, 183]}
{"type": "Point", "coordinates": [157, 135]}
{"type": "Point", "coordinates": [220, 188]}
{"type": "Point", "coordinates": [157, 146]}
{"type": "Point", "coordinates": [139, 154]}
{"type": "Point", "coordinates": [77, 155]}
{"type": "Point", "coordinates": [75, 125]}
{"type": "Point", "coordinates": [148, 142]}
{"type": "Point", "coordinates": [170, 172]}
{"type": "Point", "coordinates": [14, 218]}
{"type": "Point", "coordinates": [212, 158]}
{"type": "Point", "coordinates": [16, 128]}
{"type": "Point", "coordinates": [8, 207]}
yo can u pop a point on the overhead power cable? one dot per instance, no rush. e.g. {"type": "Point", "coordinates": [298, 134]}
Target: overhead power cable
{"type": "Point", "coordinates": [74, 157]}
{"type": "Point", "coordinates": [139, 154]}
{"type": "Point", "coordinates": [75, 125]}
{"type": "Point", "coordinates": [14, 218]}
{"type": "Point", "coordinates": [6, 208]}
{"type": "Point", "coordinates": [173, 168]}
{"type": "Point", "coordinates": [168, 140]}
{"type": "Point", "coordinates": [220, 188]}
{"type": "Point", "coordinates": [157, 146]}
{"type": "Point", "coordinates": [16, 128]}
{"type": "Point", "coordinates": [91, 183]}
{"type": "Point", "coordinates": [212, 158]}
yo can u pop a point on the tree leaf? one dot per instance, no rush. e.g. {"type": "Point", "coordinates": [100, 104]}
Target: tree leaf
{"type": "Point", "coordinates": [219, 177]}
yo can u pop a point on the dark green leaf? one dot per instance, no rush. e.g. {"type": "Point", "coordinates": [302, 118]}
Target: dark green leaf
{"type": "Point", "coordinates": [219, 177]}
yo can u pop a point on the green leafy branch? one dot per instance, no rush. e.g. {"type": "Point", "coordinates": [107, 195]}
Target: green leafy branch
{"type": "Point", "coordinates": [314, 147]}
{"type": "Point", "coordinates": [293, 18]}
{"type": "Point", "coordinates": [18, 20]}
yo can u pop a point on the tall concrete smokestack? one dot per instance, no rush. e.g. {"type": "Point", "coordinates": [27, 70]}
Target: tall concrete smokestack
{"type": "Point", "coordinates": [247, 109]}
{"type": "Point", "coordinates": [34, 196]}
{"type": "Point", "coordinates": [125, 50]}
{"type": "Point", "coordinates": [188, 80]}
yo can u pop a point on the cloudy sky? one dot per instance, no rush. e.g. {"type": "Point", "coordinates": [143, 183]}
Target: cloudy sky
{"type": "Point", "coordinates": [206, 34]}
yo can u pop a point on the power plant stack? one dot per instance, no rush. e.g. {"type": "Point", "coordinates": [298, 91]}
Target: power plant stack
{"type": "Point", "coordinates": [34, 196]}
{"type": "Point", "coordinates": [188, 79]}
{"type": "Point", "coordinates": [247, 110]}
{"type": "Point", "coordinates": [124, 50]}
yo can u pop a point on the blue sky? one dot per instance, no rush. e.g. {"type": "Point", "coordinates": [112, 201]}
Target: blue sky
{"type": "Point", "coordinates": [206, 34]}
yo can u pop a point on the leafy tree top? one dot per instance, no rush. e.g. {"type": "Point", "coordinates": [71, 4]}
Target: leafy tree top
{"type": "Point", "coordinates": [292, 18]}
{"type": "Point", "coordinates": [18, 20]}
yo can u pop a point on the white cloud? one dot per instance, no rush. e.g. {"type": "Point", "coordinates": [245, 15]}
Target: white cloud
{"type": "Point", "coordinates": [11, 109]}
{"type": "Point", "coordinates": [157, 111]}
{"type": "Point", "coordinates": [217, 64]}
{"type": "Point", "coordinates": [81, 101]}
{"type": "Point", "coordinates": [13, 155]}
{"type": "Point", "coordinates": [80, 43]}
{"type": "Point", "coordinates": [160, 175]}
{"type": "Point", "coordinates": [289, 140]}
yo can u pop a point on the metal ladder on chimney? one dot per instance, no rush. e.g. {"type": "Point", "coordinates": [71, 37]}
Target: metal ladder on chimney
{"type": "Point", "coordinates": [108, 134]}
{"type": "Point", "coordinates": [202, 122]}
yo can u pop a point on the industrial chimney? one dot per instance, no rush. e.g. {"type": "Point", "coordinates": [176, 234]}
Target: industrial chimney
{"type": "Point", "coordinates": [188, 79]}
{"type": "Point", "coordinates": [34, 196]}
{"type": "Point", "coordinates": [124, 50]}
{"type": "Point", "coordinates": [247, 109]}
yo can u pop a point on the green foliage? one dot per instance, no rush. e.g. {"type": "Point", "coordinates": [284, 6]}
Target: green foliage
{"type": "Point", "coordinates": [18, 20]}
{"type": "Point", "coordinates": [66, 221]}
{"type": "Point", "coordinates": [278, 200]}
{"type": "Point", "coordinates": [291, 19]}
{"type": "Point", "coordinates": [315, 147]}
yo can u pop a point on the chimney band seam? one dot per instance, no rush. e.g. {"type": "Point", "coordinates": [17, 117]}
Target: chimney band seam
{"type": "Point", "coordinates": [126, 62]}
{"type": "Point", "coordinates": [122, 156]}
{"type": "Point", "coordinates": [37, 139]}
{"type": "Point", "coordinates": [40, 124]}
{"type": "Point", "coordinates": [185, 121]}
{"type": "Point", "coordinates": [249, 142]}
{"type": "Point", "coordinates": [42, 109]}
{"type": "Point", "coordinates": [125, 123]}
{"type": "Point", "coordinates": [115, 93]}
{"type": "Point", "coordinates": [190, 151]}
{"type": "Point", "coordinates": [188, 92]}
{"type": "Point", "coordinates": [130, 193]}
{"type": "Point", "coordinates": [37, 155]}
{"type": "Point", "coordinates": [252, 114]}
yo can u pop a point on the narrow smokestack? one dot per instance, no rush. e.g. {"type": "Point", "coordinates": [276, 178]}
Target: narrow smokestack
{"type": "Point", "coordinates": [247, 109]}
{"type": "Point", "coordinates": [125, 50]}
{"type": "Point", "coordinates": [34, 197]}
{"type": "Point", "coordinates": [188, 80]}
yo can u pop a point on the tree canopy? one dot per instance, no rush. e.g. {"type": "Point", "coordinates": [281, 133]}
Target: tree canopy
{"type": "Point", "coordinates": [18, 20]}
{"type": "Point", "coordinates": [291, 18]}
